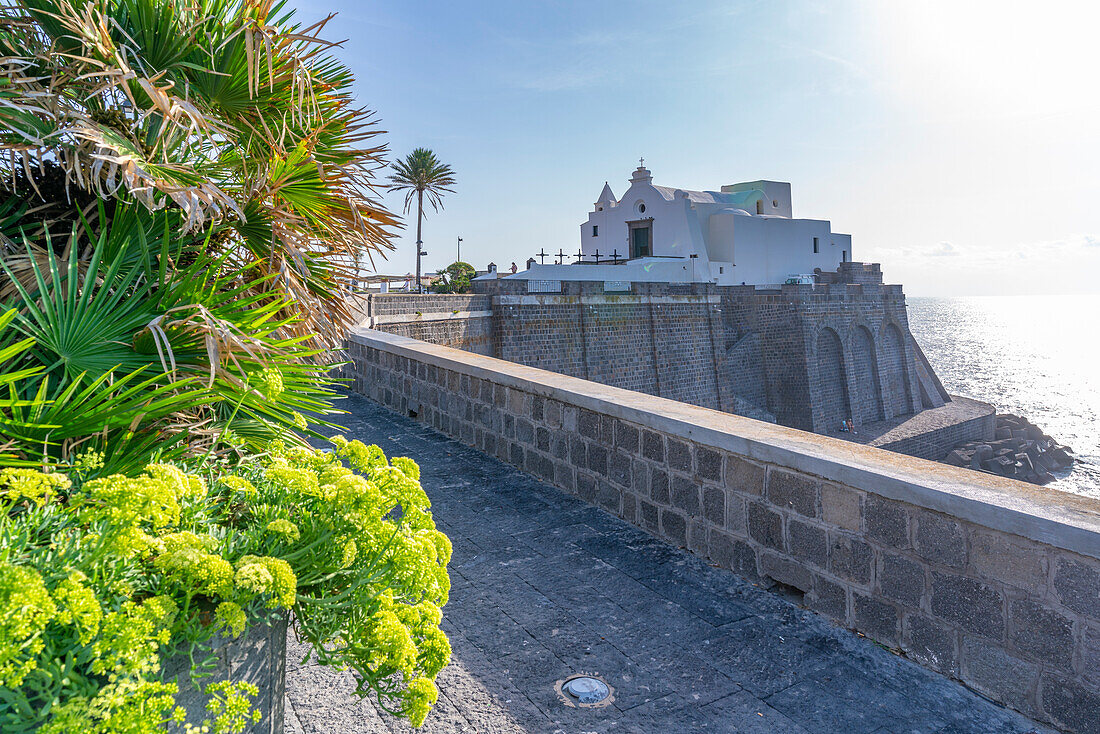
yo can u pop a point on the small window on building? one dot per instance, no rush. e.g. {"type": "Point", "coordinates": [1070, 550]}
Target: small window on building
{"type": "Point", "coordinates": [596, 230]}
{"type": "Point", "coordinates": [775, 203]}
{"type": "Point", "coordinates": [815, 246]}
{"type": "Point", "coordinates": [721, 269]}
{"type": "Point", "coordinates": [844, 256]}
{"type": "Point", "coordinates": [641, 208]}
{"type": "Point", "coordinates": [759, 207]}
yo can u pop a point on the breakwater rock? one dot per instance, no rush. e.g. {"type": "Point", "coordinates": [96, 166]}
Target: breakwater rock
{"type": "Point", "coordinates": [1020, 450]}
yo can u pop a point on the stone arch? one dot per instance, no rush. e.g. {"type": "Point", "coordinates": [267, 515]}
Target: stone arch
{"type": "Point", "coordinates": [867, 395]}
{"type": "Point", "coordinates": [831, 379]}
{"type": "Point", "coordinates": [896, 395]}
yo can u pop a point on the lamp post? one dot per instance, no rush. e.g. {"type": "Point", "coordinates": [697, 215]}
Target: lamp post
{"type": "Point", "coordinates": [419, 253]}
{"type": "Point", "coordinates": [459, 257]}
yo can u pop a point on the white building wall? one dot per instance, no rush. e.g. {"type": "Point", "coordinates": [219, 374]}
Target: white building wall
{"type": "Point", "coordinates": [768, 250]}
{"type": "Point", "coordinates": [732, 245]}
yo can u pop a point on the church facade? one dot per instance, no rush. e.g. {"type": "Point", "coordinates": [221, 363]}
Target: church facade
{"type": "Point", "coordinates": [744, 233]}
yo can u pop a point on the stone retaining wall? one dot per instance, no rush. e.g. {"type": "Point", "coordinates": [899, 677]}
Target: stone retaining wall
{"type": "Point", "coordinates": [984, 579]}
{"type": "Point", "coordinates": [935, 442]}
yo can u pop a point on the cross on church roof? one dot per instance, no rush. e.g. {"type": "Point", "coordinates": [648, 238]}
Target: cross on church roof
{"type": "Point", "coordinates": [641, 163]}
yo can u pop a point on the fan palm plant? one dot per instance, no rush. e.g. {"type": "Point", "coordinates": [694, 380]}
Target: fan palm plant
{"type": "Point", "coordinates": [420, 173]}
{"type": "Point", "coordinates": [225, 111]}
{"type": "Point", "coordinates": [131, 360]}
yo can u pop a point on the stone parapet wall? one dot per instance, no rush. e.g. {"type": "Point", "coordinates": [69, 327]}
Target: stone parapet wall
{"type": "Point", "coordinates": [984, 579]}
{"type": "Point", "coordinates": [462, 321]}
{"type": "Point", "coordinates": [801, 355]}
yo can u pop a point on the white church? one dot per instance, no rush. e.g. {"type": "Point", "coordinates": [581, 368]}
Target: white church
{"type": "Point", "coordinates": [744, 233]}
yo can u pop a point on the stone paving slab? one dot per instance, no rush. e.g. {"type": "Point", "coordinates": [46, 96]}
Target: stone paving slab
{"type": "Point", "coordinates": [545, 586]}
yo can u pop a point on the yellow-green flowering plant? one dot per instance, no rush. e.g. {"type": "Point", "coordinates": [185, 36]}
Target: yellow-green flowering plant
{"type": "Point", "coordinates": [103, 580]}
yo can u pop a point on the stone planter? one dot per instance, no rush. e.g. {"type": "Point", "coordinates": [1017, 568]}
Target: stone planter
{"type": "Point", "coordinates": [258, 656]}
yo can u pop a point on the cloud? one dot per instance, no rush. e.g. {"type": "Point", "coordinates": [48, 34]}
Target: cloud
{"type": "Point", "coordinates": [559, 80]}
{"type": "Point", "coordinates": [943, 249]}
{"type": "Point", "coordinates": [1066, 249]}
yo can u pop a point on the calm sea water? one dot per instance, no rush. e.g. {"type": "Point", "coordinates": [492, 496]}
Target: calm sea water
{"type": "Point", "coordinates": [1036, 356]}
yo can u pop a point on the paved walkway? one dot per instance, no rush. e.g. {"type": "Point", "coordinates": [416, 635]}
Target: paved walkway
{"type": "Point", "coordinates": [545, 586]}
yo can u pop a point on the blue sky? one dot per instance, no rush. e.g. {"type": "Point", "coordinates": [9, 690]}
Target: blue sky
{"type": "Point", "coordinates": [960, 149]}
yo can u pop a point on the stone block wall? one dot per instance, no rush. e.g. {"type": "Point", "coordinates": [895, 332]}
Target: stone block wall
{"type": "Point", "coordinates": [984, 579]}
{"type": "Point", "coordinates": [258, 657]}
{"type": "Point", "coordinates": [656, 339]}
{"type": "Point", "coordinates": [455, 320]}
{"type": "Point", "coordinates": [931, 443]}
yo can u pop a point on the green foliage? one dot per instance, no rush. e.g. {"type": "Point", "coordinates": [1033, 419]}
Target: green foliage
{"type": "Point", "coordinates": [139, 364]}
{"type": "Point", "coordinates": [456, 278]}
{"type": "Point", "coordinates": [224, 114]}
{"type": "Point", "coordinates": [188, 190]}
{"type": "Point", "coordinates": [102, 580]}
{"type": "Point", "coordinates": [420, 174]}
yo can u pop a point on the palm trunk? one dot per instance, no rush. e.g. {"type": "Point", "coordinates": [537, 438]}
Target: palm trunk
{"type": "Point", "coordinates": [419, 218]}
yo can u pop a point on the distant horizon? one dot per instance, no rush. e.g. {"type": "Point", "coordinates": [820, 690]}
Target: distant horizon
{"type": "Point", "coordinates": [1002, 295]}
{"type": "Point", "coordinates": [963, 156]}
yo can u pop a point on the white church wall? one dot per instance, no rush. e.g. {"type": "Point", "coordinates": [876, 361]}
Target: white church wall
{"type": "Point", "coordinates": [777, 196]}
{"type": "Point", "coordinates": [732, 245]}
{"type": "Point", "coordinates": [771, 250]}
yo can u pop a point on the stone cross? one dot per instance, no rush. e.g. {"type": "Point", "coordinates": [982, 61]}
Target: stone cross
{"type": "Point", "coordinates": [560, 256]}
{"type": "Point", "coordinates": [597, 256]}
{"type": "Point", "coordinates": [580, 256]}
{"type": "Point", "coordinates": [615, 255]}
{"type": "Point", "coordinates": [542, 256]}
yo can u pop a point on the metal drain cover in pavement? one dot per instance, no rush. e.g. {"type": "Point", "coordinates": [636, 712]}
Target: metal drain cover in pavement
{"type": "Point", "coordinates": [584, 690]}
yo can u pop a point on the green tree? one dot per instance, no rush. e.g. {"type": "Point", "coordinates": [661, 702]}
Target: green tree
{"type": "Point", "coordinates": [456, 278]}
{"type": "Point", "coordinates": [420, 173]}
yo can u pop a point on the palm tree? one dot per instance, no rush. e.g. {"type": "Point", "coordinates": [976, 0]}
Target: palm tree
{"type": "Point", "coordinates": [421, 173]}
{"type": "Point", "coordinates": [230, 114]}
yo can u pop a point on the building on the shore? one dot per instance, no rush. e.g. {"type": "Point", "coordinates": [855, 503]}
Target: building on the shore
{"type": "Point", "coordinates": [720, 299]}
{"type": "Point", "coordinates": [745, 233]}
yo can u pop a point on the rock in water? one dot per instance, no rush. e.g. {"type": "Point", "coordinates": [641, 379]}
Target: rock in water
{"type": "Point", "coordinates": [1020, 450]}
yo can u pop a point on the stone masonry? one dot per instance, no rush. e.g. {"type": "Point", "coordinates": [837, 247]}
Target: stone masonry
{"type": "Point", "coordinates": [969, 575]}
{"type": "Point", "coordinates": [806, 356]}
{"type": "Point", "coordinates": [803, 356]}
{"type": "Point", "coordinates": [459, 321]}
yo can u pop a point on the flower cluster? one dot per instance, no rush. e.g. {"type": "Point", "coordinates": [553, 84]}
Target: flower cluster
{"type": "Point", "coordinates": [28, 484]}
{"type": "Point", "coordinates": [283, 529]}
{"type": "Point", "coordinates": [25, 610]}
{"type": "Point", "coordinates": [78, 606]}
{"type": "Point", "coordinates": [381, 549]}
{"type": "Point", "coordinates": [115, 572]}
{"type": "Point", "coordinates": [271, 577]}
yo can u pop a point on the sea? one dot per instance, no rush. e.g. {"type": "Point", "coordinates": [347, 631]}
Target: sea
{"type": "Point", "coordinates": [1035, 356]}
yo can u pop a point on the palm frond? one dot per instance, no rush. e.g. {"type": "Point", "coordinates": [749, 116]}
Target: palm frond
{"type": "Point", "coordinates": [226, 112]}
{"type": "Point", "coordinates": [421, 172]}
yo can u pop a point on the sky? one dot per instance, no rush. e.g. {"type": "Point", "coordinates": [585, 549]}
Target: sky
{"type": "Point", "coordinates": [957, 141]}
